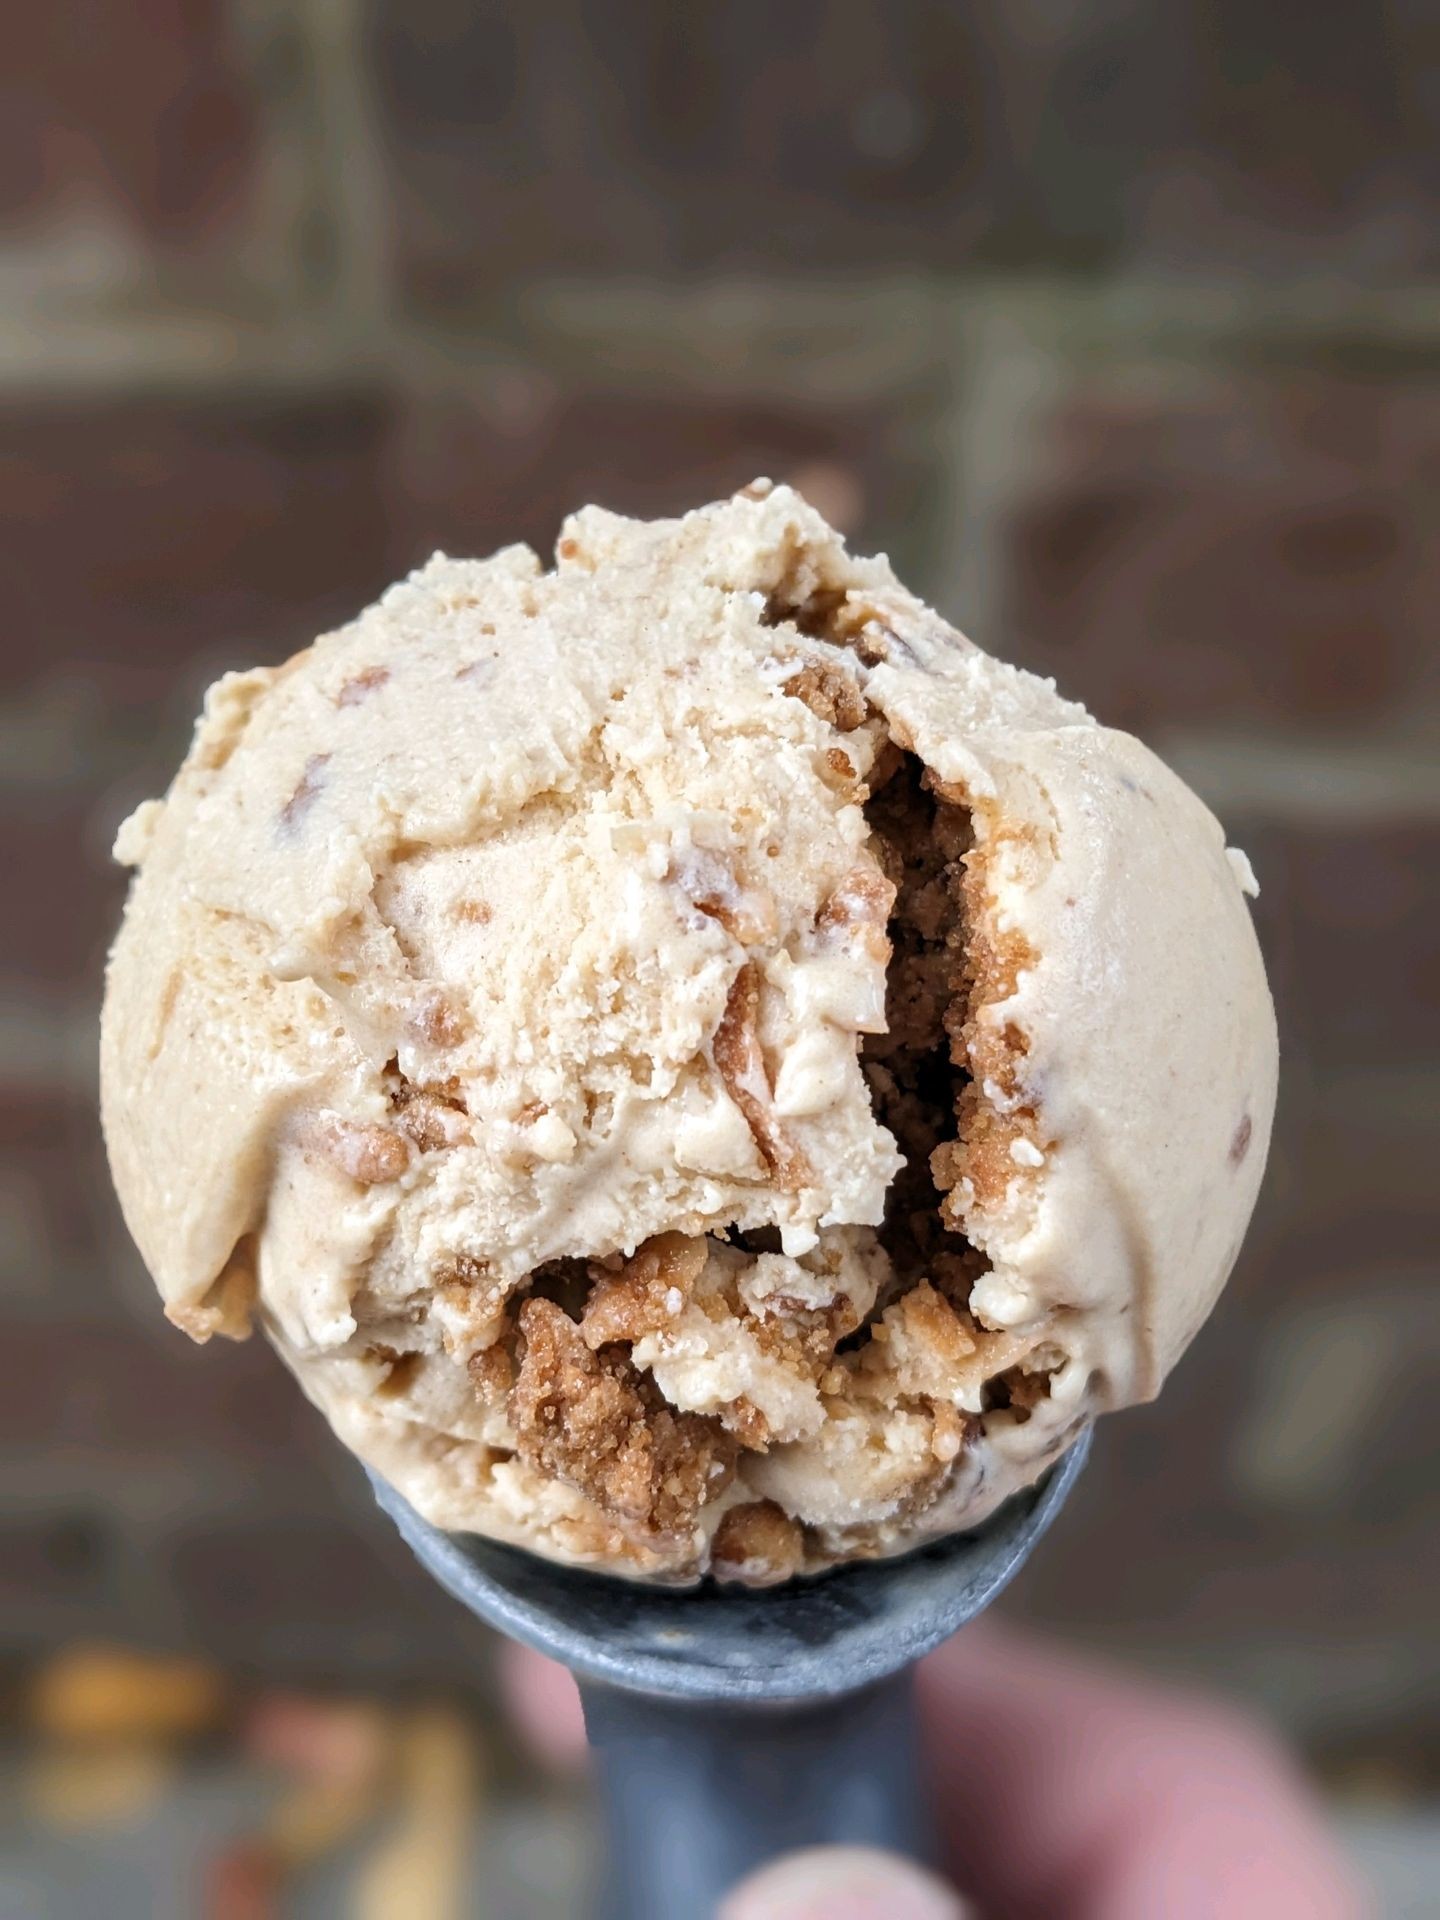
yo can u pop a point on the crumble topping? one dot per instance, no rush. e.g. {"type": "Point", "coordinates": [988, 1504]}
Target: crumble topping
{"type": "Point", "coordinates": [590, 1420]}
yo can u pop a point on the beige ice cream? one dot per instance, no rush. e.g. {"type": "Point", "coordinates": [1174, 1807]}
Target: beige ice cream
{"type": "Point", "coordinates": [693, 1064]}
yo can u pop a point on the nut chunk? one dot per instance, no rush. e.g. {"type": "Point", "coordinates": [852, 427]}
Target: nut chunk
{"type": "Point", "coordinates": [830, 693]}
{"type": "Point", "coordinates": [758, 1543]}
{"type": "Point", "coordinates": [648, 1292]}
{"type": "Point", "coordinates": [736, 1048]}
{"type": "Point", "coordinates": [592, 1421]}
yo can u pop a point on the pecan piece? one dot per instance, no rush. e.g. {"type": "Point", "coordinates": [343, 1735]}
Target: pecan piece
{"type": "Point", "coordinates": [758, 1543]}
{"type": "Point", "coordinates": [830, 693]}
{"type": "Point", "coordinates": [648, 1292]}
{"type": "Point", "coordinates": [741, 1065]}
{"type": "Point", "coordinates": [369, 1155]}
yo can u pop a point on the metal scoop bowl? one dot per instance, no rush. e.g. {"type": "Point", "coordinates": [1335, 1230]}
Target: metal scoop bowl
{"type": "Point", "coordinates": [731, 1725]}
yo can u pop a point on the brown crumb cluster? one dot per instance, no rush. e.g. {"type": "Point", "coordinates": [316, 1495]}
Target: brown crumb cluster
{"type": "Point", "coordinates": [473, 1297]}
{"type": "Point", "coordinates": [926, 1349]}
{"type": "Point", "coordinates": [432, 1117]}
{"type": "Point", "coordinates": [492, 1373]}
{"type": "Point", "coordinates": [645, 1293]}
{"type": "Point", "coordinates": [801, 1337]}
{"type": "Point", "coordinates": [862, 902]}
{"type": "Point", "coordinates": [981, 1156]}
{"type": "Point", "coordinates": [561, 1368]}
{"type": "Point", "coordinates": [592, 1421]}
{"type": "Point", "coordinates": [369, 1155]}
{"type": "Point", "coordinates": [428, 1122]}
{"type": "Point", "coordinates": [830, 693]}
{"type": "Point", "coordinates": [433, 1020]}
{"type": "Point", "coordinates": [916, 1082]}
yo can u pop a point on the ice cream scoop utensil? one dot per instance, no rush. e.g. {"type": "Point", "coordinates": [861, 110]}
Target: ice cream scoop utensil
{"type": "Point", "coordinates": [736, 1724]}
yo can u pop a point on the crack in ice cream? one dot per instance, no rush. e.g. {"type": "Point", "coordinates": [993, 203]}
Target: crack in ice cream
{"type": "Point", "coordinates": [693, 1064]}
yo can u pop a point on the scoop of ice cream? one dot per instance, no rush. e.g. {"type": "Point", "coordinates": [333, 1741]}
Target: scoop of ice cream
{"type": "Point", "coordinates": [693, 1064]}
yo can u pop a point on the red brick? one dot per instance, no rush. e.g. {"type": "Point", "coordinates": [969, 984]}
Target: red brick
{"type": "Point", "coordinates": [1201, 133]}
{"type": "Point", "coordinates": [52, 1559]}
{"type": "Point", "coordinates": [1348, 1190]}
{"type": "Point", "coordinates": [334, 1593]}
{"type": "Point", "coordinates": [1294, 139]}
{"type": "Point", "coordinates": [1256, 550]}
{"type": "Point", "coordinates": [1186, 132]}
{"type": "Point", "coordinates": [468, 474]}
{"type": "Point", "coordinates": [1346, 1226]}
{"type": "Point", "coordinates": [147, 112]}
{"type": "Point", "coordinates": [1202, 1560]}
{"type": "Point", "coordinates": [65, 893]}
{"type": "Point", "coordinates": [1214, 1557]}
{"type": "Point", "coordinates": [50, 1147]}
{"type": "Point", "coordinates": [143, 534]}
{"type": "Point", "coordinates": [523, 143]}
{"type": "Point", "coordinates": [139, 1390]}
{"type": "Point", "coordinates": [1351, 937]}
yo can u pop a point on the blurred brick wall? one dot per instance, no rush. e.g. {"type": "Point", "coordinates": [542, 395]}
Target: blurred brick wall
{"type": "Point", "coordinates": [1116, 325]}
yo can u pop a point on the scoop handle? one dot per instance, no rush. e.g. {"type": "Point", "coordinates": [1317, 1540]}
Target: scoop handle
{"type": "Point", "coordinates": [697, 1795]}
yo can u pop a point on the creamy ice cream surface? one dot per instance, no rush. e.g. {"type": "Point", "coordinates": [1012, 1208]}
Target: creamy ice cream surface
{"type": "Point", "coordinates": [694, 1065]}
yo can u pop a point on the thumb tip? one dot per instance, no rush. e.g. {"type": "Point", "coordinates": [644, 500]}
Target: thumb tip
{"type": "Point", "coordinates": [842, 1883]}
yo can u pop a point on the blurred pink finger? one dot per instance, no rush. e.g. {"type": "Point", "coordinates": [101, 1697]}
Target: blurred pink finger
{"type": "Point", "coordinates": [1067, 1790]}
{"type": "Point", "coordinates": [544, 1702]}
{"type": "Point", "coordinates": [842, 1883]}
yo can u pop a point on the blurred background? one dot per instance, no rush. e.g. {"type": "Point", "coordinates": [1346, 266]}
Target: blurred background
{"type": "Point", "coordinates": [1117, 323]}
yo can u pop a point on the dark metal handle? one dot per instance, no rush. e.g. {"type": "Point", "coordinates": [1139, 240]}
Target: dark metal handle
{"type": "Point", "coordinates": [696, 1796]}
